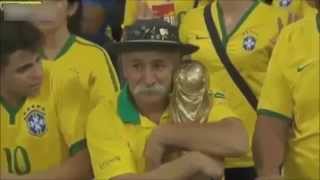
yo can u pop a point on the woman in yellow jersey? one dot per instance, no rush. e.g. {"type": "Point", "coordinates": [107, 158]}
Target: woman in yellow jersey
{"type": "Point", "coordinates": [170, 10]}
{"type": "Point", "coordinates": [73, 53]}
{"type": "Point", "coordinates": [36, 140]}
{"type": "Point", "coordinates": [234, 39]}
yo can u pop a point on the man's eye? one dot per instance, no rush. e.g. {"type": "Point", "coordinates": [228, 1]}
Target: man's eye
{"type": "Point", "coordinates": [159, 66]}
{"type": "Point", "coordinates": [24, 68]}
{"type": "Point", "coordinates": [39, 59]}
{"type": "Point", "coordinates": [137, 66]}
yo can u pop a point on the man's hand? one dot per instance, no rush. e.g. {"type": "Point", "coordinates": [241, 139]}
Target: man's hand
{"type": "Point", "coordinates": [291, 19]}
{"type": "Point", "coordinates": [209, 166]}
{"type": "Point", "coordinates": [154, 150]}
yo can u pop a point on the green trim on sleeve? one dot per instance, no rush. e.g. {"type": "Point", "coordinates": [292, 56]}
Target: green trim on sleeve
{"type": "Point", "coordinates": [77, 147]}
{"type": "Point", "coordinates": [269, 113]}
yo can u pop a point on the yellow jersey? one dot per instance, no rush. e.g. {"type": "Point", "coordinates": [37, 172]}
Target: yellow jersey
{"type": "Point", "coordinates": [93, 67]}
{"type": "Point", "coordinates": [117, 143]}
{"type": "Point", "coordinates": [291, 93]}
{"type": "Point", "coordinates": [45, 130]}
{"type": "Point", "coordinates": [161, 8]}
{"type": "Point", "coordinates": [299, 7]}
{"type": "Point", "coordinates": [248, 47]}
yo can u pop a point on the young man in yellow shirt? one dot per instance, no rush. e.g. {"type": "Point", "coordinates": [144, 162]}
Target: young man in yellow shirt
{"type": "Point", "coordinates": [128, 139]}
{"type": "Point", "coordinates": [42, 124]}
{"type": "Point", "coordinates": [73, 53]}
{"type": "Point", "coordinates": [244, 31]}
{"type": "Point", "coordinates": [287, 137]}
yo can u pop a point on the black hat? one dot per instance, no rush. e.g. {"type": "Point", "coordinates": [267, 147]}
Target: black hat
{"type": "Point", "coordinates": [153, 33]}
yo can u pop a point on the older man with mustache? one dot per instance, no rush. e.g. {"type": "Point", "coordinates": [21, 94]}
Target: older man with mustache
{"type": "Point", "coordinates": [130, 139]}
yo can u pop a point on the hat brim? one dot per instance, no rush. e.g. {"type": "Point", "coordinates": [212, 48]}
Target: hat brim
{"type": "Point", "coordinates": [184, 48]}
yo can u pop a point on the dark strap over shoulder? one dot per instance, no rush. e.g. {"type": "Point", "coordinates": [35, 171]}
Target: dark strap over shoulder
{"type": "Point", "coordinates": [196, 3]}
{"type": "Point", "coordinates": [233, 72]}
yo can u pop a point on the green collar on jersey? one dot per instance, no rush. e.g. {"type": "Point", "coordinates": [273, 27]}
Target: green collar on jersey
{"type": "Point", "coordinates": [225, 35]}
{"type": "Point", "coordinates": [12, 111]}
{"type": "Point", "coordinates": [67, 45]}
{"type": "Point", "coordinates": [127, 110]}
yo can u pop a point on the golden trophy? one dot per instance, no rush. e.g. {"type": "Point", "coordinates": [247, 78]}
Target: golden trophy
{"type": "Point", "coordinates": [190, 100]}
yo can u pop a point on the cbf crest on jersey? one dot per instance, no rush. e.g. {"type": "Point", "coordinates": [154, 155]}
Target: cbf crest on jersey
{"type": "Point", "coordinates": [285, 3]}
{"type": "Point", "coordinates": [249, 42]}
{"type": "Point", "coordinates": [36, 121]}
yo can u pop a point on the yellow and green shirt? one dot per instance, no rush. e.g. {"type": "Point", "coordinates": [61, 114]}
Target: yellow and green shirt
{"type": "Point", "coordinates": [160, 8]}
{"type": "Point", "coordinates": [117, 143]}
{"type": "Point", "coordinates": [45, 130]}
{"type": "Point", "coordinates": [92, 65]}
{"type": "Point", "coordinates": [291, 93]}
{"type": "Point", "coordinates": [248, 47]}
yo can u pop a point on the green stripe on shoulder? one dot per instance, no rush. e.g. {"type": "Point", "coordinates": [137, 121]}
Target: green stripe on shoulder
{"type": "Point", "coordinates": [113, 75]}
{"type": "Point", "coordinates": [77, 147]}
{"type": "Point", "coordinates": [273, 114]}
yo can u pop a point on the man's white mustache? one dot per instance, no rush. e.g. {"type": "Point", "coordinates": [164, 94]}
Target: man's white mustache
{"type": "Point", "coordinates": [156, 89]}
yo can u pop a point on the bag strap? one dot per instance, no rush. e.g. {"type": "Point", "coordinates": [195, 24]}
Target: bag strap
{"type": "Point", "coordinates": [196, 3]}
{"type": "Point", "coordinates": [224, 58]}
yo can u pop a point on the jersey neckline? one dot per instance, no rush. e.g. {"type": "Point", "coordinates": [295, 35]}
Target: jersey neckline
{"type": "Point", "coordinates": [243, 18]}
{"type": "Point", "coordinates": [12, 111]}
{"type": "Point", "coordinates": [67, 45]}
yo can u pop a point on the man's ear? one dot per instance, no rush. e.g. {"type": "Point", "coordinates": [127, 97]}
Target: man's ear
{"type": "Point", "coordinates": [72, 8]}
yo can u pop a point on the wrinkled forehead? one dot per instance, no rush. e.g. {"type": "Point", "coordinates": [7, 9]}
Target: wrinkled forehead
{"type": "Point", "coordinates": [151, 56]}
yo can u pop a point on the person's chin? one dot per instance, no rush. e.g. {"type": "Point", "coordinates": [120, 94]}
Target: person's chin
{"type": "Point", "coordinates": [34, 91]}
{"type": "Point", "coordinates": [45, 26]}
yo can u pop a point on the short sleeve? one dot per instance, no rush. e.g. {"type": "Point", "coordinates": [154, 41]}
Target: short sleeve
{"type": "Point", "coordinates": [109, 151]}
{"type": "Point", "coordinates": [275, 99]}
{"type": "Point", "coordinates": [71, 105]}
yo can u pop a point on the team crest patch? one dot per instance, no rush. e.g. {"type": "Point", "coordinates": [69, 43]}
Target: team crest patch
{"type": "Point", "coordinates": [285, 3]}
{"type": "Point", "coordinates": [36, 121]}
{"type": "Point", "coordinates": [249, 43]}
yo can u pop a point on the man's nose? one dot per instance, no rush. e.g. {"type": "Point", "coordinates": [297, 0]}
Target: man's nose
{"type": "Point", "coordinates": [149, 76]}
{"type": "Point", "coordinates": [37, 73]}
